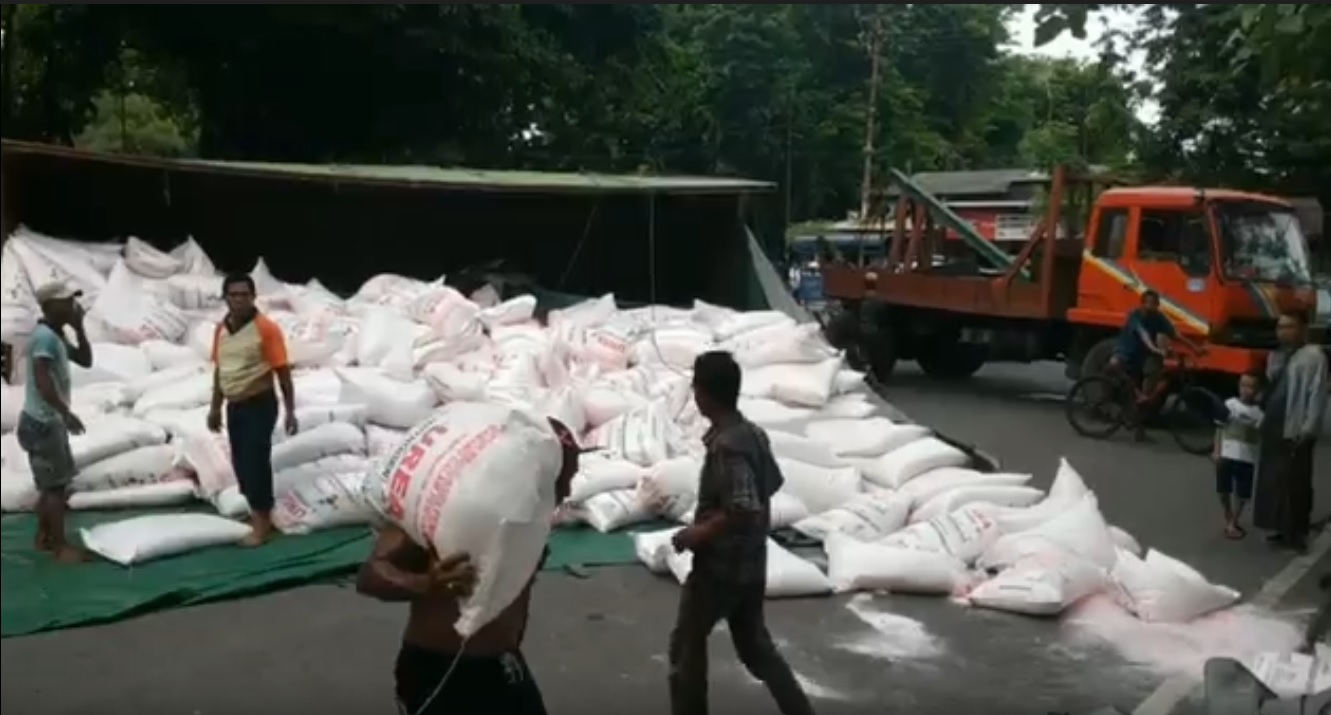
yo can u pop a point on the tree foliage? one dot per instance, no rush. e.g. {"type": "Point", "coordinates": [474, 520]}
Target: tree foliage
{"type": "Point", "coordinates": [1244, 91]}
{"type": "Point", "coordinates": [780, 92]}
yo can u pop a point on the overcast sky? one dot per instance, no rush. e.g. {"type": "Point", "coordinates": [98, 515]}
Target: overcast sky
{"type": "Point", "coordinates": [1068, 46]}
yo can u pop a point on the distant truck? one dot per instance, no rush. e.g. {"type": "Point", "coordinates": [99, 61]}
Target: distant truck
{"type": "Point", "coordinates": [1225, 263]}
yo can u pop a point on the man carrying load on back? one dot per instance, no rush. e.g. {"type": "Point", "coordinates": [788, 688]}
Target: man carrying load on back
{"type": "Point", "coordinates": [729, 543]}
{"type": "Point", "coordinates": [248, 352]}
{"type": "Point", "coordinates": [437, 672]}
{"type": "Point", "coordinates": [46, 421]}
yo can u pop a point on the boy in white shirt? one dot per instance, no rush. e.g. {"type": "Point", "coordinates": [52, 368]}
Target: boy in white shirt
{"type": "Point", "coordinates": [1236, 451]}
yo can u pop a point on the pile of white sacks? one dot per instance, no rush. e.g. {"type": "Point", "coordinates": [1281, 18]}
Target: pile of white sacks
{"type": "Point", "coordinates": [896, 508]}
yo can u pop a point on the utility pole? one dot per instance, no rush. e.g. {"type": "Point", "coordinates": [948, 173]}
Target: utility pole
{"type": "Point", "coordinates": [790, 160]}
{"type": "Point", "coordinates": [873, 35]}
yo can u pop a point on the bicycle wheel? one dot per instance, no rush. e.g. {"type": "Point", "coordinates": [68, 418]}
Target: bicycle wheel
{"type": "Point", "coordinates": [1192, 418]}
{"type": "Point", "coordinates": [1096, 406]}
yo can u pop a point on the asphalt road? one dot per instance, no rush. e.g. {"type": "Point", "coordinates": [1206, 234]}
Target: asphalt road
{"type": "Point", "coordinates": [597, 644]}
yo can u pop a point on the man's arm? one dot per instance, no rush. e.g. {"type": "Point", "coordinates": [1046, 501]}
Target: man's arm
{"type": "Point", "coordinates": [1138, 325]}
{"type": "Point", "coordinates": [288, 389]}
{"type": "Point", "coordinates": [216, 404]}
{"type": "Point", "coordinates": [395, 570]}
{"type": "Point", "coordinates": [1315, 394]}
{"type": "Point", "coordinates": [80, 352]}
{"type": "Point", "coordinates": [213, 357]}
{"type": "Point", "coordinates": [1168, 330]}
{"type": "Point", "coordinates": [740, 498]}
{"type": "Point", "coordinates": [275, 353]}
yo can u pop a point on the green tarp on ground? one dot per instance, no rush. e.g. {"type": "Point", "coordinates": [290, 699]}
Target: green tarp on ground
{"type": "Point", "coordinates": [37, 594]}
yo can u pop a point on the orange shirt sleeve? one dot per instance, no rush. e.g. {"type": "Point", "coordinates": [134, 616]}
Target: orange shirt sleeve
{"type": "Point", "coordinates": [273, 343]}
{"type": "Point", "coordinates": [217, 338]}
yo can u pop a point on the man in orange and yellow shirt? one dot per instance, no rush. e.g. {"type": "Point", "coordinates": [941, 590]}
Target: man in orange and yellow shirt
{"type": "Point", "coordinates": [249, 355]}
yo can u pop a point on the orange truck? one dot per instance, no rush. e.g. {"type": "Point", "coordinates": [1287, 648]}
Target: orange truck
{"type": "Point", "coordinates": [1225, 263]}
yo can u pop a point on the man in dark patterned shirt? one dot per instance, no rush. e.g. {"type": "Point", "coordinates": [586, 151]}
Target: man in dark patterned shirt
{"type": "Point", "coordinates": [728, 539]}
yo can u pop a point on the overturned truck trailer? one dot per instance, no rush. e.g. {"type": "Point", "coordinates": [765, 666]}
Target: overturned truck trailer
{"type": "Point", "coordinates": [561, 237]}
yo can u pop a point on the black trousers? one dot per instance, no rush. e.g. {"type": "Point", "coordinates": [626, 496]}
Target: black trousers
{"type": "Point", "coordinates": [705, 601]}
{"type": "Point", "coordinates": [477, 685]}
{"type": "Point", "coordinates": [249, 427]}
{"type": "Point", "coordinates": [1285, 488]}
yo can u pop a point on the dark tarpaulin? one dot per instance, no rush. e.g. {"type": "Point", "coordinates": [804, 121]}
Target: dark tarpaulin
{"type": "Point", "coordinates": [573, 235]}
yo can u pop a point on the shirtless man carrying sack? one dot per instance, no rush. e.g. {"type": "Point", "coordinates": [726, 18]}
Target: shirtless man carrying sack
{"type": "Point", "coordinates": [436, 671]}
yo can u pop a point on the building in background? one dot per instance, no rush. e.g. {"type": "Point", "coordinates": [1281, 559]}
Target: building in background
{"type": "Point", "coordinates": [1002, 204]}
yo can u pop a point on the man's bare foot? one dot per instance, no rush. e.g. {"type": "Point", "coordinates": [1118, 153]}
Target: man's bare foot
{"type": "Point", "coordinates": [70, 555]}
{"type": "Point", "coordinates": [1234, 532]}
{"type": "Point", "coordinates": [43, 544]}
{"type": "Point", "coordinates": [258, 537]}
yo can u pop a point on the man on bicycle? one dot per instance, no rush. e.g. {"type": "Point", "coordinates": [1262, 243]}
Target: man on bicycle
{"type": "Point", "coordinates": [1140, 352]}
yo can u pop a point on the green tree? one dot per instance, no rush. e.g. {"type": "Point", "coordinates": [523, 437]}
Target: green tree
{"type": "Point", "coordinates": [781, 92]}
{"type": "Point", "coordinates": [1244, 91]}
{"type": "Point", "coordinates": [1085, 117]}
{"type": "Point", "coordinates": [134, 124]}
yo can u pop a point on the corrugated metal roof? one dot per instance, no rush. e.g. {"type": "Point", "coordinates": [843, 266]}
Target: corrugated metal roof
{"type": "Point", "coordinates": [419, 176]}
{"type": "Point", "coordinates": [461, 177]}
{"type": "Point", "coordinates": [973, 183]}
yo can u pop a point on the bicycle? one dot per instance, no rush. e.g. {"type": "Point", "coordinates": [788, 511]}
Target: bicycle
{"type": "Point", "coordinates": [1190, 412]}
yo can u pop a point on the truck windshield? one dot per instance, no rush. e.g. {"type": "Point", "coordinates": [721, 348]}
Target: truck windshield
{"type": "Point", "coordinates": [1262, 242]}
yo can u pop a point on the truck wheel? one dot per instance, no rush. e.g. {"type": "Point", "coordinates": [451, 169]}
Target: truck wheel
{"type": "Point", "coordinates": [842, 330]}
{"type": "Point", "coordinates": [875, 349]}
{"type": "Point", "coordinates": [877, 352]}
{"type": "Point", "coordinates": [950, 360]}
{"type": "Point", "coordinates": [1221, 384]}
{"type": "Point", "coordinates": [1097, 358]}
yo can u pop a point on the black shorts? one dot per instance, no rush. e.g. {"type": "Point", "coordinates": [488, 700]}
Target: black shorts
{"type": "Point", "coordinates": [49, 454]}
{"type": "Point", "coordinates": [1236, 478]}
{"type": "Point", "coordinates": [477, 685]}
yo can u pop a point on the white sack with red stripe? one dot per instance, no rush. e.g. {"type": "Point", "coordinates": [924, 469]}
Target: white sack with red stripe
{"type": "Point", "coordinates": [477, 479]}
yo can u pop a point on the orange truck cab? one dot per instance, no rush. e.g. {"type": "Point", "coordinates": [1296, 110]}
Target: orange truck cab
{"type": "Point", "coordinates": [1225, 263]}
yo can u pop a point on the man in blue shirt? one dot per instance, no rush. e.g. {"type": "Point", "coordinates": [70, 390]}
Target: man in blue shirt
{"type": "Point", "coordinates": [1140, 338]}
{"type": "Point", "coordinates": [1142, 346]}
{"type": "Point", "coordinates": [46, 421]}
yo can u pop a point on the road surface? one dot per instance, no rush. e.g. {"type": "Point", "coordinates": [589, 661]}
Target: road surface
{"type": "Point", "coordinates": [597, 645]}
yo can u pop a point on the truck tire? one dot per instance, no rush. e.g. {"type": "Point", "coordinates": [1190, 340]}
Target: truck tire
{"type": "Point", "coordinates": [878, 353]}
{"type": "Point", "coordinates": [842, 329]}
{"type": "Point", "coordinates": [845, 330]}
{"type": "Point", "coordinates": [876, 349]}
{"type": "Point", "coordinates": [951, 360]}
{"type": "Point", "coordinates": [1097, 358]}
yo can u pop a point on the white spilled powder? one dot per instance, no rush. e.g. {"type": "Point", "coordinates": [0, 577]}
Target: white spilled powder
{"type": "Point", "coordinates": [895, 637]}
{"type": "Point", "coordinates": [812, 688]}
{"type": "Point", "coordinates": [1181, 649]}
{"type": "Point", "coordinates": [818, 691]}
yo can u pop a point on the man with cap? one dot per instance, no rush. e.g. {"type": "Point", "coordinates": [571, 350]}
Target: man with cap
{"type": "Point", "coordinates": [46, 421]}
